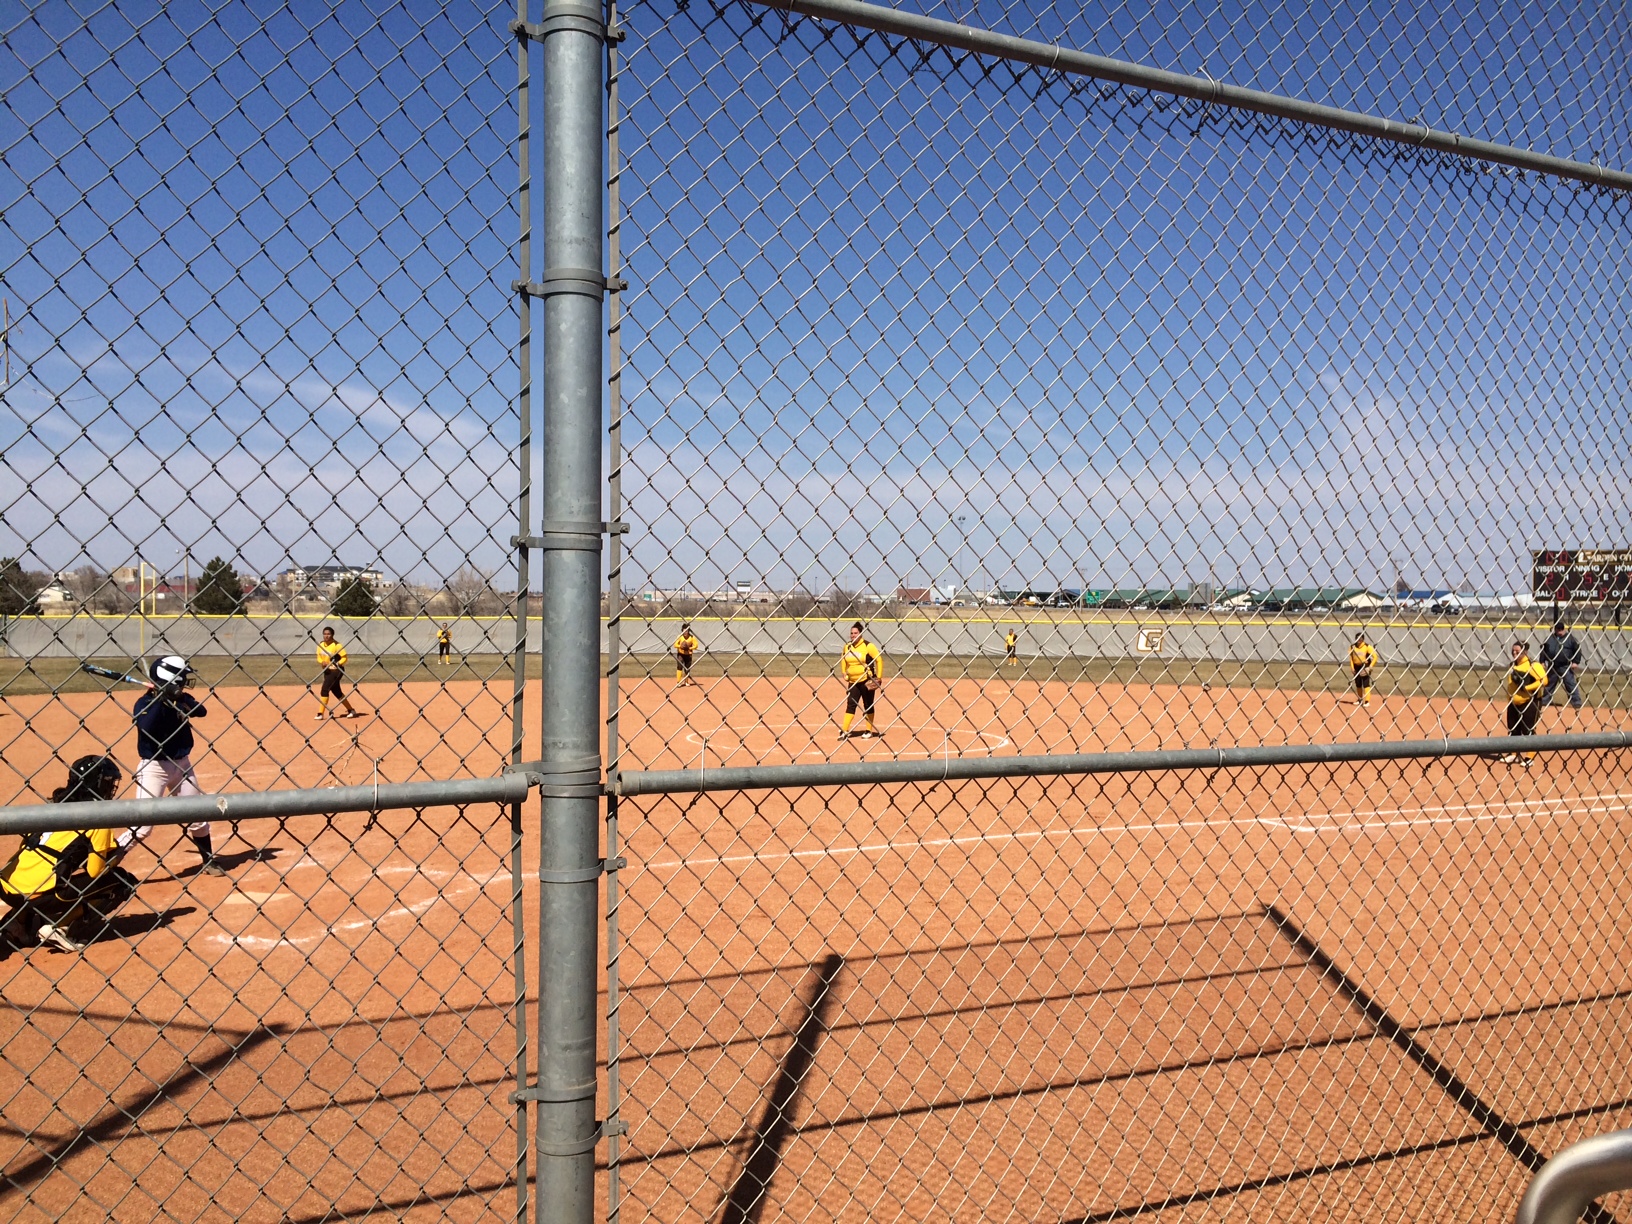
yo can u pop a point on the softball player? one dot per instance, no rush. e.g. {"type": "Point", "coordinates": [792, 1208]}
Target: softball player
{"type": "Point", "coordinates": [862, 667]}
{"type": "Point", "coordinates": [1362, 658]}
{"type": "Point", "coordinates": [685, 649]}
{"type": "Point", "coordinates": [164, 742]}
{"type": "Point", "coordinates": [69, 871]}
{"type": "Point", "coordinates": [444, 645]}
{"type": "Point", "coordinates": [1525, 679]}
{"type": "Point", "coordinates": [331, 657]}
{"type": "Point", "coordinates": [1011, 642]}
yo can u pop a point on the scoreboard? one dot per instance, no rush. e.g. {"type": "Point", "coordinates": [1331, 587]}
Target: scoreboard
{"type": "Point", "coordinates": [1581, 575]}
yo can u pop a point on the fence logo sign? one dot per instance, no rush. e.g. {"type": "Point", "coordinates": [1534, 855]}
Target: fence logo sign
{"type": "Point", "coordinates": [1149, 640]}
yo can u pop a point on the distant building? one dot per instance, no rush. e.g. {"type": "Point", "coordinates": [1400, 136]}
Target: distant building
{"type": "Point", "coordinates": [326, 581]}
{"type": "Point", "coordinates": [914, 595]}
{"type": "Point", "coordinates": [1318, 599]}
{"type": "Point", "coordinates": [55, 596]}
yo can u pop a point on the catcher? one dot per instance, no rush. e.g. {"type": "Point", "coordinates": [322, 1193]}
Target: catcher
{"type": "Point", "coordinates": [1362, 658]}
{"type": "Point", "coordinates": [862, 668]}
{"type": "Point", "coordinates": [56, 878]}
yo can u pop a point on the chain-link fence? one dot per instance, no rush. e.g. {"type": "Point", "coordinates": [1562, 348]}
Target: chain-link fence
{"type": "Point", "coordinates": [1061, 514]}
{"type": "Point", "coordinates": [1183, 417]}
{"type": "Point", "coordinates": [260, 376]}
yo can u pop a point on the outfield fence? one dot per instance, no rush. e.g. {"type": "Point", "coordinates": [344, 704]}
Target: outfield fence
{"type": "Point", "coordinates": [1140, 915]}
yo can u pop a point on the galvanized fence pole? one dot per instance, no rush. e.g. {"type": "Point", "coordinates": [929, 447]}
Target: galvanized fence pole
{"type": "Point", "coordinates": [572, 286]}
{"type": "Point", "coordinates": [524, 518]}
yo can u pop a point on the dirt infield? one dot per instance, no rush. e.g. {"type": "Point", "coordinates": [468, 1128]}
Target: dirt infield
{"type": "Point", "coordinates": [1366, 992]}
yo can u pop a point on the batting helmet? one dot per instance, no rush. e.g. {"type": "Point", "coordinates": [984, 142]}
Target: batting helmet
{"type": "Point", "coordinates": [171, 672]}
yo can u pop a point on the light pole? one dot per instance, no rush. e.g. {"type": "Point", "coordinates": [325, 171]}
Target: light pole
{"type": "Point", "coordinates": [962, 519]}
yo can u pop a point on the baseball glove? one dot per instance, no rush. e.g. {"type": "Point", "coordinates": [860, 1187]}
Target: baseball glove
{"type": "Point", "coordinates": [874, 684]}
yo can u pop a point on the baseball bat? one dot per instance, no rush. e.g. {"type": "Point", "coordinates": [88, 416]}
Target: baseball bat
{"type": "Point", "coordinates": [110, 674]}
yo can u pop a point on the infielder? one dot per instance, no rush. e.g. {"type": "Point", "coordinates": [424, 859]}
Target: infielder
{"type": "Point", "coordinates": [164, 742]}
{"type": "Point", "coordinates": [862, 667]}
{"type": "Point", "coordinates": [1011, 642]}
{"type": "Point", "coordinates": [1525, 680]}
{"type": "Point", "coordinates": [685, 650]}
{"type": "Point", "coordinates": [1362, 658]}
{"type": "Point", "coordinates": [331, 657]}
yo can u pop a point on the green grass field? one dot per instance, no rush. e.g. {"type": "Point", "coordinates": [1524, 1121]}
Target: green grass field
{"type": "Point", "coordinates": [1604, 690]}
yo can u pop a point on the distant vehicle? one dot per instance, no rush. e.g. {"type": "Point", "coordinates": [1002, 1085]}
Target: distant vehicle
{"type": "Point", "coordinates": [1271, 605]}
{"type": "Point", "coordinates": [1065, 599]}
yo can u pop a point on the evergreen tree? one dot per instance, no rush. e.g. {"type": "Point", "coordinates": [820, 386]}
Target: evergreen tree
{"type": "Point", "coordinates": [18, 589]}
{"type": "Point", "coordinates": [355, 599]}
{"type": "Point", "coordinates": [220, 590]}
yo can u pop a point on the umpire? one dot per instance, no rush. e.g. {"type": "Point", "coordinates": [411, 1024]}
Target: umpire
{"type": "Point", "coordinates": [1561, 656]}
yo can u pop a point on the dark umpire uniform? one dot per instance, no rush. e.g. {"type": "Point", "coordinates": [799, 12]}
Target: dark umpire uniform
{"type": "Point", "coordinates": [1561, 655]}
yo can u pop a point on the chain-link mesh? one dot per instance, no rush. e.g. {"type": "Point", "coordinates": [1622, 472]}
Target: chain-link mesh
{"type": "Point", "coordinates": [1115, 417]}
{"type": "Point", "coordinates": [260, 378]}
{"type": "Point", "coordinates": [327, 1029]}
{"type": "Point", "coordinates": [1120, 422]}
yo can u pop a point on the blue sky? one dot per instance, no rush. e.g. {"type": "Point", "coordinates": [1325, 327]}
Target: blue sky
{"type": "Point", "coordinates": [894, 318]}
{"type": "Point", "coordinates": [258, 262]}
{"type": "Point", "coordinates": [907, 319]}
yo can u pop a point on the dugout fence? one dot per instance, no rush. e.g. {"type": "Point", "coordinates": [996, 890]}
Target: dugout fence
{"type": "Point", "coordinates": [1229, 340]}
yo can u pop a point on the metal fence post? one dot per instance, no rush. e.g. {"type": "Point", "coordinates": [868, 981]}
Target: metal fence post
{"type": "Point", "coordinates": [572, 286]}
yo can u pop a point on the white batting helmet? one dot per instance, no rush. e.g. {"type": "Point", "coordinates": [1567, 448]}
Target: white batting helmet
{"type": "Point", "coordinates": [171, 671]}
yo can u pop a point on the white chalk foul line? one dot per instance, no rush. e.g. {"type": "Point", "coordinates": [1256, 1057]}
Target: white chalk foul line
{"type": "Point", "coordinates": [1472, 812]}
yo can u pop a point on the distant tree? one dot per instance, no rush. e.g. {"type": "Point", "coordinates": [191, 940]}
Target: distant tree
{"type": "Point", "coordinates": [473, 589]}
{"type": "Point", "coordinates": [400, 600]}
{"type": "Point", "coordinates": [356, 599]}
{"type": "Point", "coordinates": [220, 590]}
{"type": "Point", "coordinates": [94, 589]}
{"type": "Point", "coordinates": [19, 588]}
{"type": "Point", "coordinates": [840, 602]}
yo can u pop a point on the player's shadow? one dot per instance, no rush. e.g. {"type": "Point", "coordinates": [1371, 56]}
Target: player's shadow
{"type": "Point", "coordinates": [260, 854]}
{"type": "Point", "coordinates": [129, 926]}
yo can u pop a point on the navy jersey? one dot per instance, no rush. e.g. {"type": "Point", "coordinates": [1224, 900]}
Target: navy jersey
{"type": "Point", "coordinates": [163, 726]}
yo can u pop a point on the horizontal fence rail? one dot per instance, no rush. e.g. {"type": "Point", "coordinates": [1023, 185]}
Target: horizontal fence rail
{"type": "Point", "coordinates": [388, 796]}
{"type": "Point", "coordinates": [763, 777]}
{"type": "Point", "coordinates": [1200, 89]}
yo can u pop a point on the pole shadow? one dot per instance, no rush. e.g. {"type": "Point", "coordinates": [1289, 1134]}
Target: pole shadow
{"type": "Point", "coordinates": [746, 1200]}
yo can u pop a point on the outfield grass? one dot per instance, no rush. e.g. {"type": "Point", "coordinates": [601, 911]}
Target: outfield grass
{"type": "Point", "coordinates": [50, 675]}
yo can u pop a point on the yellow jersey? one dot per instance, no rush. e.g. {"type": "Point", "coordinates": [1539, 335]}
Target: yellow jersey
{"type": "Point", "coordinates": [861, 661]}
{"type": "Point", "coordinates": [1525, 679]}
{"type": "Point", "coordinates": [1362, 656]}
{"type": "Point", "coordinates": [46, 859]}
{"type": "Point", "coordinates": [686, 644]}
{"type": "Point", "coordinates": [443, 638]}
{"type": "Point", "coordinates": [332, 655]}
